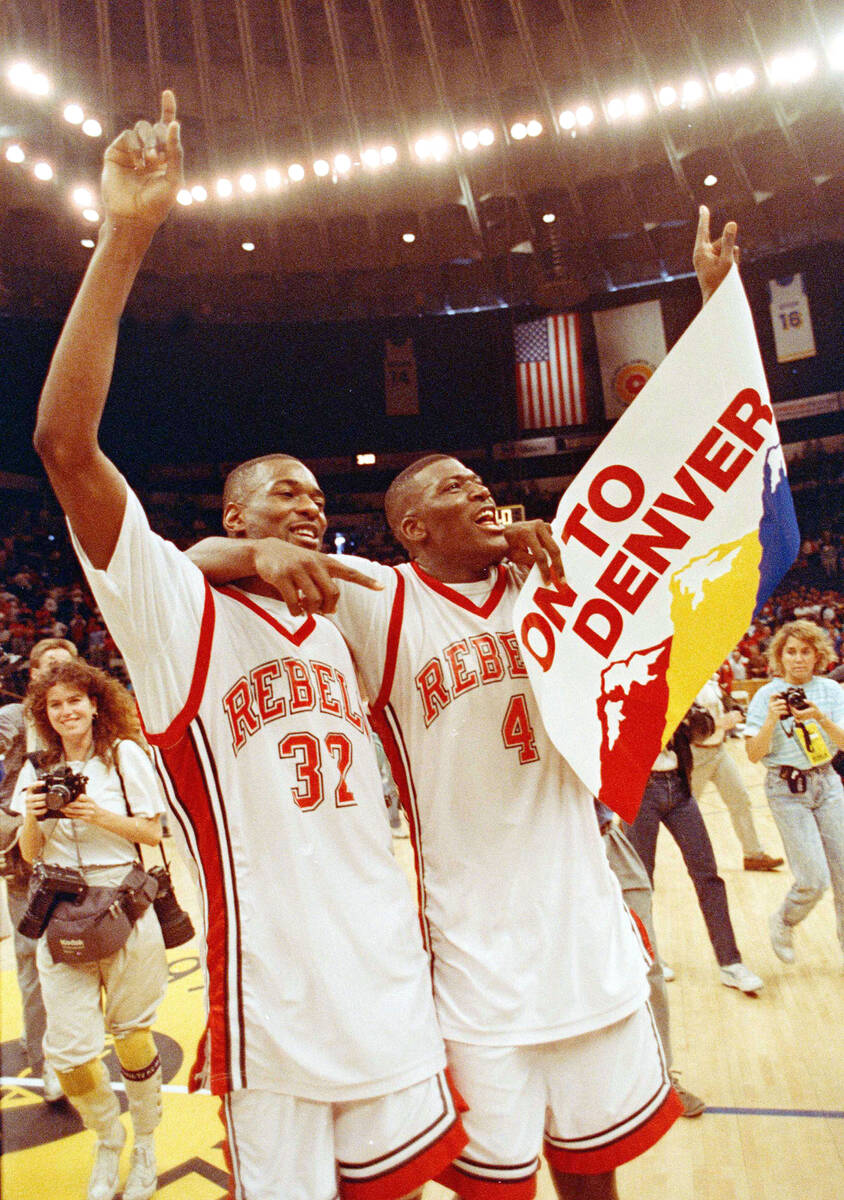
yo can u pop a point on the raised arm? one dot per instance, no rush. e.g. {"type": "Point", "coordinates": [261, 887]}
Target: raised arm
{"type": "Point", "coordinates": [712, 260]}
{"type": "Point", "coordinates": [142, 173]}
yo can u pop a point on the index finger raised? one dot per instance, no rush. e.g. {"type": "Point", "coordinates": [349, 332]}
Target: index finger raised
{"type": "Point", "coordinates": [168, 106]}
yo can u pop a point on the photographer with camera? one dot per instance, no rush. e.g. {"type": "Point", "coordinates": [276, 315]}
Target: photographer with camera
{"type": "Point", "coordinates": [89, 798]}
{"type": "Point", "coordinates": [17, 736]}
{"type": "Point", "coordinates": [794, 726]}
{"type": "Point", "coordinates": [668, 801]}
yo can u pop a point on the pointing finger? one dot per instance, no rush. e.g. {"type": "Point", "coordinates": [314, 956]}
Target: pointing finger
{"type": "Point", "coordinates": [340, 570]}
{"type": "Point", "coordinates": [702, 236]}
{"type": "Point", "coordinates": [168, 106]}
{"type": "Point", "coordinates": [728, 241]}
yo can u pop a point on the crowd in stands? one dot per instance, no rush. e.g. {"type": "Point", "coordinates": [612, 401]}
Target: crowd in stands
{"type": "Point", "coordinates": [43, 592]}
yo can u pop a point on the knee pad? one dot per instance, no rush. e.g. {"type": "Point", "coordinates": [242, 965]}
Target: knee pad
{"type": "Point", "coordinates": [87, 1077]}
{"type": "Point", "coordinates": [136, 1051]}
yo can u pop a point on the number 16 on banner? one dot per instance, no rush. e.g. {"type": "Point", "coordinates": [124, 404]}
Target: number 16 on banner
{"type": "Point", "coordinates": [791, 319]}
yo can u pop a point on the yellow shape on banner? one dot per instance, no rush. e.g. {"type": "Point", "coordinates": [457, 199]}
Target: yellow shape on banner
{"type": "Point", "coordinates": [710, 599]}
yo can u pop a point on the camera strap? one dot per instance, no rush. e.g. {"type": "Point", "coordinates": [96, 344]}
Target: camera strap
{"type": "Point", "coordinates": [131, 814]}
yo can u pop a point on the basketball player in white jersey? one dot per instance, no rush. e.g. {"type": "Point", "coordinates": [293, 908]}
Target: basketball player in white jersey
{"type": "Point", "coordinates": [539, 970]}
{"type": "Point", "coordinates": [321, 1035]}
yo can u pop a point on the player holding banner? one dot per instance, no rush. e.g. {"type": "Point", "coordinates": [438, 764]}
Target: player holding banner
{"type": "Point", "coordinates": [539, 969]}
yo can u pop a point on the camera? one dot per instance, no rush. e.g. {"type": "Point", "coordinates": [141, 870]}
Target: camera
{"type": "Point", "coordinates": [795, 698]}
{"type": "Point", "coordinates": [176, 925]}
{"type": "Point", "coordinates": [62, 787]}
{"type": "Point", "coordinates": [48, 885]}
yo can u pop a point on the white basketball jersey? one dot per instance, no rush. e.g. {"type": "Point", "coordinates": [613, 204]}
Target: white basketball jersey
{"type": "Point", "coordinates": [318, 985]}
{"type": "Point", "coordinates": [524, 920]}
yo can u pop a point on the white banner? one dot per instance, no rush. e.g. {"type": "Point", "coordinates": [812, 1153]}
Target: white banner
{"type": "Point", "coordinates": [631, 345]}
{"type": "Point", "coordinates": [679, 525]}
{"type": "Point", "coordinates": [791, 319]}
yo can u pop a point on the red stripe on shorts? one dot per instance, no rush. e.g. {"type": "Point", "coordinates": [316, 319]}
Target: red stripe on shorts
{"type": "Point", "coordinates": [472, 1187]}
{"type": "Point", "coordinates": [614, 1154]}
{"type": "Point", "coordinates": [428, 1164]}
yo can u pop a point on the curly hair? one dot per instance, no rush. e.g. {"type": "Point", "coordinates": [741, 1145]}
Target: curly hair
{"type": "Point", "coordinates": [805, 631]}
{"type": "Point", "coordinates": [116, 720]}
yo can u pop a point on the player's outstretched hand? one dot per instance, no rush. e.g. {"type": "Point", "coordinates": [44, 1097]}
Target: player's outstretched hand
{"type": "Point", "coordinates": [142, 171]}
{"type": "Point", "coordinates": [712, 260]}
{"type": "Point", "coordinates": [305, 579]}
{"type": "Point", "coordinates": [533, 542]}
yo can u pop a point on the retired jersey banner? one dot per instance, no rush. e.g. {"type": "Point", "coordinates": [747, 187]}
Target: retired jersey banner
{"type": "Point", "coordinates": [791, 319]}
{"type": "Point", "coordinates": [631, 345]}
{"type": "Point", "coordinates": [678, 528]}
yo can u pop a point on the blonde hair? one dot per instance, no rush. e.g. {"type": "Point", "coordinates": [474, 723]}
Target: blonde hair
{"type": "Point", "coordinates": [805, 631]}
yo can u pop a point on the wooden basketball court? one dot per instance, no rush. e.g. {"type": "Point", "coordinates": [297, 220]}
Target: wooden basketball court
{"type": "Point", "coordinates": [771, 1068]}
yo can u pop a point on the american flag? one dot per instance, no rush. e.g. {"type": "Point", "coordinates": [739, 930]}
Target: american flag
{"type": "Point", "coordinates": [549, 372]}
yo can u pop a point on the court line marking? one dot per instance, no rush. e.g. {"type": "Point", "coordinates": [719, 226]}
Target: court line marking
{"type": "Point", "coordinates": [25, 1081]}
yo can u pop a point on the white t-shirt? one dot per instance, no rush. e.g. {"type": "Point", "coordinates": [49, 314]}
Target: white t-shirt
{"type": "Point", "coordinates": [318, 985]}
{"type": "Point", "coordinates": [523, 918]}
{"type": "Point", "coordinates": [71, 843]}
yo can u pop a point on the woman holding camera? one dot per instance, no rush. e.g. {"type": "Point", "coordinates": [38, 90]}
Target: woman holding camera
{"type": "Point", "coordinates": [87, 722]}
{"type": "Point", "coordinates": [794, 726]}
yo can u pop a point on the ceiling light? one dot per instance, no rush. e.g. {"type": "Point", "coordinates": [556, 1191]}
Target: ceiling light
{"type": "Point", "coordinates": [667, 96]}
{"type": "Point", "coordinates": [92, 127]}
{"type": "Point", "coordinates": [585, 115]}
{"type": "Point", "coordinates": [692, 91]}
{"type": "Point", "coordinates": [73, 114]}
{"type": "Point", "coordinates": [296, 172]}
{"type": "Point", "coordinates": [486, 137]}
{"type": "Point", "coordinates": [710, 180]}
{"type": "Point", "coordinates": [248, 182]}
{"type": "Point", "coordinates": [422, 149]}
{"type": "Point", "coordinates": [39, 84]}
{"type": "Point", "coordinates": [371, 157]}
{"type": "Point", "coordinates": [635, 105]}
{"type": "Point", "coordinates": [615, 108]}
{"type": "Point", "coordinates": [439, 146]}
{"type": "Point", "coordinates": [408, 237]}
{"type": "Point", "coordinates": [321, 167]}
{"type": "Point", "coordinates": [90, 214]}
{"type": "Point", "coordinates": [518, 131]}
{"type": "Point", "coordinates": [792, 68]}
{"type": "Point", "coordinates": [835, 53]}
{"type": "Point", "coordinates": [549, 218]}
{"type": "Point", "coordinates": [724, 82]}
{"type": "Point", "coordinates": [534, 128]}
{"type": "Point", "coordinates": [247, 246]}
{"type": "Point", "coordinates": [342, 164]}
{"type": "Point", "coordinates": [272, 178]}
{"type": "Point", "coordinates": [567, 119]}
{"type": "Point", "coordinates": [224, 188]}
{"type": "Point", "coordinates": [470, 140]}
{"type": "Point", "coordinates": [88, 243]}
{"type": "Point", "coordinates": [14, 153]}
{"type": "Point", "coordinates": [744, 77]}
{"type": "Point", "coordinates": [199, 193]}
{"type": "Point", "coordinates": [82, 197]}
{"type": "Point", "coordinates": [19, 75]}
{"type": "Point", "coordinates": [42, 171]}
{"type": "Point", "coordinates": [184, 197]}
{"type": "Point", "coordinates": [389, 154]}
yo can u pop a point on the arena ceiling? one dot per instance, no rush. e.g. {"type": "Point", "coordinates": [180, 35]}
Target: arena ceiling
{"type": "Point", "coordinates": [286, 83]}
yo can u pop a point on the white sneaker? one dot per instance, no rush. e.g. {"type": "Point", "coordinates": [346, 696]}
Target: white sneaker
{"type": "Point", "coordinates": [142, 1181]}
{"type": "Point", "coordinates": [52, 1087]}
{"type": "Point", "coordinates": [781, 937]}
{"type": "Point", "coordinates": [737, 975]}
{"type": "Point", "coordinates": [106, 1172]}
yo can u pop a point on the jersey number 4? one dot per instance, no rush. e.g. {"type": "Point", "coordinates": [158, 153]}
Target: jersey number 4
{"type": "Point", "coordinates": [517, 731]}
{"type": "Point", "coordinates": [306, 751]}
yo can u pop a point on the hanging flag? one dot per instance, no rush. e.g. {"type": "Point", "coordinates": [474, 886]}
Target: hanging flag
{"type": "Point", "coordinates": [631, 345]}
{"type": "Point", "coordinates": [675, 532]}
{"type": "Point", "coordinates": [791, 319]}
{"type": "Point", "coordinates": [401, 389]}
{"type": "Point", "coordinates": [549, 372]}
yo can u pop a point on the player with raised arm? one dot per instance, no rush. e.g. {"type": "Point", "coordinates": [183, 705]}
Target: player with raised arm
{"type": "Point", "coordinates": [321, 1036]}
{"type": "Point", "coordinates": [539, 971]}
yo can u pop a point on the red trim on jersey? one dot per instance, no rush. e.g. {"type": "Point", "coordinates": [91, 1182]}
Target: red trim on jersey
{"type": "Point", "coordinates": [393, 634]}
{"type": "Point", "coordinates": [412, 1174]}
{"type": "Point", "coordinates": [191, 789]}
{"type": "Point", "coordinates": [458, 598]}
{"type": "Point", "coordinates": [643, 933]}
{"type": "Point", "coordinates": [472, 1187]}
{"type": "Point", "coordinates": [615, 1154]}
{"type": "Point", "coordinates": [175, 731]}
{"type": "Point", "coordinates": [305, 629]}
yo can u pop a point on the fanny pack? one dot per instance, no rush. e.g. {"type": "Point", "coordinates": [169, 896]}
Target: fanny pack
{"type": "Point", "coordinates": [98, 922]}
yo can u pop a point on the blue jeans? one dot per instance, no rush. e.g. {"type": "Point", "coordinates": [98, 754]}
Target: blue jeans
{"type": "Point", "coordinates": [811, 826]}
{"type": "Point", "coordinates": [668, 801]}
